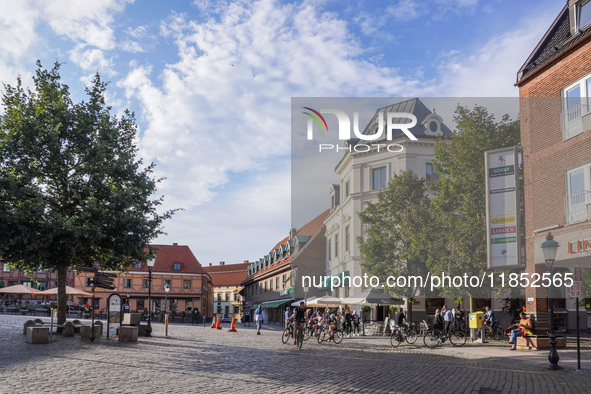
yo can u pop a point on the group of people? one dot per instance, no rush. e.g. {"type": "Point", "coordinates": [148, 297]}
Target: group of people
{"type": "Point", "coordinates": [322, 319]}
{"type": "Point", "coordinates": [448, 318]}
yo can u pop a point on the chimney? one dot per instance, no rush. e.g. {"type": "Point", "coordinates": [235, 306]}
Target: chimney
{"type": "Point", "coordinates": [246, 261]}
{"type": "Point", "coordinates": [292, 233]}
{"type": "Point", "coordinates": [175, 244]}
{"type": "Point", "coordinates": [222, 262]}
{"type": "Point", "coordinates": [210, 264]}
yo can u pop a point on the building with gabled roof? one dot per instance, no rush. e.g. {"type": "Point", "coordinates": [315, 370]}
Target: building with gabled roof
{"type": "Point", "coordinates": [227, 279]}
{"type": "Point", "coordinates": [555, 110]}
{"type": "Point", "coordinates": [175, 266]}
{"type": "Point", "coordinates": [274, 280]}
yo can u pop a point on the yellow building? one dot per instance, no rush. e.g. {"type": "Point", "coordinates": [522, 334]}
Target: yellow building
{"type": "Point", "coordinates": [226, 288]}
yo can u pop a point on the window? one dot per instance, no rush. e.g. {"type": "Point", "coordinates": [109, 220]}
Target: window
{"type": "Point", "coordinates": [271, 285]}
{"type": "Point", "coordinates": [138, 265]}
{"type": "Point", "coordinates": [5, 267]}
{"type": "Point", "coordinates": [583, 13]}
{"type": "Point", "coordinates": [329, 249]}
{"type": "Point", "coordinates": [265, 286]}
{"type": "Point", "coordinates": [575, 104]}
{"type": "Point", "coordinates": [333, 203]}
{"type": "Point", "coordinates": [336, 245]}
{"type": "Point", "coordinates": [227, 296]}
{"type": "Point", "coordinates": [277, 283]}
{"type": "Point", "coordinates": [347, 189]}
{"type": "Point", "coordinates": [227, 309]}
{"type": "Point", "coordinates": [127, 283]}
{"type": "Point", "coordinates": [146, 283]}
{"type": "Point", "coordinates": [578, 193]}
{"type": "Point", "coordinates": [346, 238]}
{"type": "Point", "coordinates": [379, 178]}
{"type": "Point", "coordinates": [186, 284]}
{"type": "Point", "coordinates": [42, 285]}
{"type": "Point", "coordinates": [176, 266]}
{"type": "Point", "coordinates": [166, 282]}
{"type": "Point", "coordinates": [430, 174]}
{"type": "Point", "coordinates": [236, 309]}
{"type": "Point", "coordinates": [284, 280]}
{"type": "Point", "coordinates": [27, 283]}
{"type": "Point", "coordinates": [237, 297]}
{"type": "Point", "coordinates": [219, 309]}
{"type": "Point", "coordinates": [219, 297]}
{"type": "Point", "coordinates": [88, 282]}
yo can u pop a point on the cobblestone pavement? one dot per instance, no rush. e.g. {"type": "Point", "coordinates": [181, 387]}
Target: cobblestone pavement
{"type": "Point", "coordinates": [198, 359]}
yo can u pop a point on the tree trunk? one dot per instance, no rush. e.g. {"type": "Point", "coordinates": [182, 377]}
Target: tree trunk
{"type": "Point", "coordinates": [62, 306]}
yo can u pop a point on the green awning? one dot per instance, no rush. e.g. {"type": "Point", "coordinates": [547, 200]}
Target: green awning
{"type": "Point", "coordinates": [276, 303]}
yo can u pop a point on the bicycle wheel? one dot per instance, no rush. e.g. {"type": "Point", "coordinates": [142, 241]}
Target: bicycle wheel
{"type": "Point", "coordinates": [457, 338]}
{"type": "Point", "coordinates": [338, 336]}
{"type": "Point", "coordinates": [300, 339]}
{"type": "Point", "coordinates": [308, 333]}
{"type": "Point", "coordinates": [321, 336]}
{"type": "Point", "coordinates": [286, 335]}
{"type": "Point", "coordinates": [411, 336]}
{"type": "Point", "coordinates": [498, 334]}
{"type": "Point", "coordinates": [395, 339]}
{"type": "Point", "coordinates": [431, 339]}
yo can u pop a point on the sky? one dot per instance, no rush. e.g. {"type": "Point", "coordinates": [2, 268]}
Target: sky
{"type": "Point", "coordinates": [211, 82]}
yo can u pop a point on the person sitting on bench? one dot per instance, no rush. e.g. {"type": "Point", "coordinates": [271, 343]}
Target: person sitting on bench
{"type": "Point", "coordinates": [524, 328]}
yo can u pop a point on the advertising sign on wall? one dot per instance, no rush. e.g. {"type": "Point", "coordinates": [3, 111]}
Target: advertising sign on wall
{"type": "Point", "coordinates": [502, 208]}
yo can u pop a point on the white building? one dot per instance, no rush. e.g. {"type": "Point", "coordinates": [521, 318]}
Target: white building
{"type": "Point", "coordinates": [361, 177]}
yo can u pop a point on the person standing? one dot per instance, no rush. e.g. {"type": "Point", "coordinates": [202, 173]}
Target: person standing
{"type": "Point", "coordinates": [348, 319]}
{"type": "Point", "coordinates": [258, 318]}
{"type": "Point", "coordinates": [356, 322]}
{"type": "Point", "coordinates": [288, 315]}
{"type": "Point", "coordinates": [448, 318]}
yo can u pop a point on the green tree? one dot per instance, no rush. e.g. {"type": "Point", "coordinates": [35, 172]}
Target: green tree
{"type": "Point", "coordinates": [459, 202]}
{"type": "Point", "coordinates": [398, 232]}
{"type": "Point", "coordinates": [73, 192]}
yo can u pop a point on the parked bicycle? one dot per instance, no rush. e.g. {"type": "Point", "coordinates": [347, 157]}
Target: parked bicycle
{"type": "Point", "coordinates": [400, 335]}
{"type": "Point", "coordinates": [498, 333]}
{"type": "Point", "coordinates": [434, 338]}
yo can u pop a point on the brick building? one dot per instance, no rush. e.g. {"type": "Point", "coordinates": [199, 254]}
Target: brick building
{"type": "Point", "coordinates": [275, 279]}
{"type": "Point", "coordinates": [227, 279]}
{"type": "Point", "coordinates": [555, 97]}
{"type": "Point", "coordinates": [41, 280]}
{"type": "Point", "coordinates": [176, 266]}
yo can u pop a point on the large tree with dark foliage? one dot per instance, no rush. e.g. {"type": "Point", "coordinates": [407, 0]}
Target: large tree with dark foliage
{"type": "Point", "coordinates": [73, 192]}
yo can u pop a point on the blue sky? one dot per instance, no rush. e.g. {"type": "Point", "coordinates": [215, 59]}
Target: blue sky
{"type": "Point", "coordinates": [211, 83]}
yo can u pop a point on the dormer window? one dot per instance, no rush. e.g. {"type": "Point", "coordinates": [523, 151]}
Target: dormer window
{"type": "Point", "coordinates": [583, 14]}
{"type": "Point", "coordinates": [177, 266]}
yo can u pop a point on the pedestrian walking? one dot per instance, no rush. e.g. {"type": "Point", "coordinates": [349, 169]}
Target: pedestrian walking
{"type": "Point", "coordinates": [258, 318]}
{"type": "Point", "coordinates": [348, 320]}
{"type": "Point", "coordinates": [356, 322]}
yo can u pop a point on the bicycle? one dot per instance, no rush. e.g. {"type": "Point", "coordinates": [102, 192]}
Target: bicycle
{"type": "Point", "coordinates": [498, 333]}
{"type": "Point", "coordinates": [433, 337]}
{"type": "Point", "coordinates": [399, 335]}
{"type": "Point", "coordinates": [287, 333]}
{"type": "Point", "coordinates": [300, 339]}
{"type": "Point", "coordinates": [336, 337]}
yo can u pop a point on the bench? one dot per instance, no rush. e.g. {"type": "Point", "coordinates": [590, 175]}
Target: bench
{"type": "Point", "coordinates": [539, 341]}
{"type": "Point", "coordinates": [86, 330]}
{"type": "Point", "coordinates": [128, 333]}
{"type": "Point", "coordinates": [37, 335]}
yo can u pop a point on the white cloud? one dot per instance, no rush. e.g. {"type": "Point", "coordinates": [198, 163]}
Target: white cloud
{"type": "Point", "coordinates": [223, 108]}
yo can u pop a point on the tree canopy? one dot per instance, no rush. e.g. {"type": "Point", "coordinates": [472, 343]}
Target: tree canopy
{"type": "Point", "coordinates": [73, 191]}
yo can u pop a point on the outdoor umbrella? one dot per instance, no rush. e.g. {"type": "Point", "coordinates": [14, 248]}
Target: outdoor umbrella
{"type": "Point", "coordinates": [326, 301]}
{"type": "Point", "coordinates": [71, 291]}
{"type": "Point", "coordinates": [19, 289]}
{"type": "Point", "coordinates": [306, 301]}
{"type": "Point", "coordinates": [373, 296]}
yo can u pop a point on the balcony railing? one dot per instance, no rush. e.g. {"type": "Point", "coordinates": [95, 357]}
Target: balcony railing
{"type": "Point", "coordinates": [576, 206]}
{"type": "Point", "coordinates": [572, 121]}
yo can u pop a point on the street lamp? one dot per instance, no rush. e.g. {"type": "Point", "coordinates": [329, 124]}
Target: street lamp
{"type": "Point", "coordinates": [150, 263]}
{"type": "Point", "coordinates": [550, 248]}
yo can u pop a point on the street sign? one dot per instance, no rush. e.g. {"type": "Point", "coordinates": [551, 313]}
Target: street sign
{"type": "Point", "coordinates": [575, 289]}
{"type": "Point", "coordinates": [106, 274]}
{"type": "Point", "coordinates": [578, 274]}
{"type": "Point", "coordinates": [103, 286]}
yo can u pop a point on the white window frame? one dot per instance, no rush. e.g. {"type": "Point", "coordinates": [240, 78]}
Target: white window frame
{"type": "Point", "coordinates": [578, 14]}
{"type": "Point", "coordinates": [572, 122]}
{"type": "Point", "coordinates": [576, 204]}
{"type": "Point", "coordinates": [336, 245]}
{"type": "Point", "coordinates": [347, 236]}
{"type": "Point", "coordinates": [373, 185]}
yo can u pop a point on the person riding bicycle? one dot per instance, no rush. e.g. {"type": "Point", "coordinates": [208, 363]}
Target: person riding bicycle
{"type": "Point", "coordinates": [489, 319]}
{"type": "Point", "coordinates": [299, 319]}
{"type": "Point", "coordinates": [332, 325]}
{"type": "Point", "coordinates": [400, 320]}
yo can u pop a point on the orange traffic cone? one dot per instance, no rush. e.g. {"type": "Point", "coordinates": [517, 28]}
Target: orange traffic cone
{"type": "Point", "coordinates": [213, 322]}
{"type": "Point", "coordinates": [232, 328]}
{"type": "Point", "coordinates": [218, 325]}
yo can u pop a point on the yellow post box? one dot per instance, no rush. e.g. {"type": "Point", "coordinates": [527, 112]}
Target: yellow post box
{"type": "Point", "coordinates": [476, 319]}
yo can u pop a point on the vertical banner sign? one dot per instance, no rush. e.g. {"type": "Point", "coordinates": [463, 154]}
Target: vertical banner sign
{"type": "Point", "coordinates": [114, 314]}
{"type": "Point", "coordinates": [502, 208]}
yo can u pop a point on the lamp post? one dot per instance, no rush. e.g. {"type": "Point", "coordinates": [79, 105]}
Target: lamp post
{"type": "Point", "coordinates": [150, 263]}
{"type": "Point", "coordinates": [550, 248]}
{"type": "Point", "coordinates": [166, 290]}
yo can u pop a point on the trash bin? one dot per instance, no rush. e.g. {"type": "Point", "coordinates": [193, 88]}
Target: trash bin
{"type": "Point", "coordinates": [476, 319]}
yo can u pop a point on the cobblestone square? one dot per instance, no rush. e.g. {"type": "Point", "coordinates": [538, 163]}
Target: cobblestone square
{"type": "Point", "coordinates": [200, 359]}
